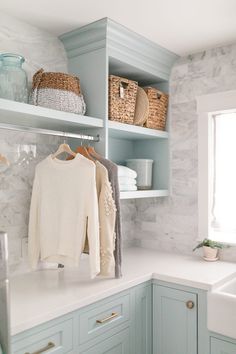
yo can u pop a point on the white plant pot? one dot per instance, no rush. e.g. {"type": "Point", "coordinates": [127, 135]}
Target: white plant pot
{"type": "Point", "coordinates": [210, 253]}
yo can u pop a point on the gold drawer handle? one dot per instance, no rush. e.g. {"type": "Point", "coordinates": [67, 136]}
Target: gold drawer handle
{"type": "Point", "coordinates": [113, 315]}
{"type": "Point", "coordinates": [190, 305]}
{"type": "Point", "coordinates": [49, 346]}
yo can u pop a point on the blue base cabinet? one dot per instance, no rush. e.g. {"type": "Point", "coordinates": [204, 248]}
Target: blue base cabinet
{"type": "Point", "coordinates": [174, 321]}
{"type": "Point", "coordinates": [119, 324]}
{"type": "Point", "coordinates": [143, 320]}
{"type": "Point", "coordinates": [152, 318]}
{"type": "Point", "coordinates": [222, 345]}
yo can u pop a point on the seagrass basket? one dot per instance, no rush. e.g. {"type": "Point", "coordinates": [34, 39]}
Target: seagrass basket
{"type": "Point", "coordinates": [122, 99]}
{"type": "Point", "coordinates": [158, 104]}
{"type": "Point", "coordinates": [58, 91]}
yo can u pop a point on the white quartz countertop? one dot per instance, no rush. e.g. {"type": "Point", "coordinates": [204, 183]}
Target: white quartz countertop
{"type": "Point", "coordinates": [40, 296]}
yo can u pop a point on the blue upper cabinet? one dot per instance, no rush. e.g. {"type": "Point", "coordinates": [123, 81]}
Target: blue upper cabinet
{"type": "Point", "coordinates": [175, 321]}
{"type": "Point", "coordinates": [140, 58]}
{"type": "Point", "coordinates": [105, 47]}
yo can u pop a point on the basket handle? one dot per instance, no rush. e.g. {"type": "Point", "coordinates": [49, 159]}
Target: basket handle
{"type": "Point", "coordinates": [159, 95]}
{"type": "Point", "coordinates": [123, 86]}
{"type": "Point", "coordinates": [78, 83]}
{"type": "Point", "coordinates": [83, 104]}
{"type": "Point", "coordinates": [37, 78]}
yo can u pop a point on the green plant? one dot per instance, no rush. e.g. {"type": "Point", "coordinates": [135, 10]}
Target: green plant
{"type": "Point", "coordinates": [210, 243]}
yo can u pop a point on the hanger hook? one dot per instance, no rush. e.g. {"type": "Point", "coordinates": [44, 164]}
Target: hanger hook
{"type": "Point", "coordinates": [65, 138]}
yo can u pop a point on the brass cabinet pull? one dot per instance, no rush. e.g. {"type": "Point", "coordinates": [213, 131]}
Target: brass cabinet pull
{"type": "Point", "coordinates": [190, 304]}
{"type": "Point", "coordinates": [113, 315]}
{"type": "Point", "coordinates": [49, 346]}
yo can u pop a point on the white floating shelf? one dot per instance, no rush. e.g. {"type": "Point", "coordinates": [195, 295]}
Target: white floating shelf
{"type": "Point", "coordinates": [144, 194]}
{"type": "Point", "coordinates": [24, 114]}
{"type": "Point", "coordinates": [133, 132]}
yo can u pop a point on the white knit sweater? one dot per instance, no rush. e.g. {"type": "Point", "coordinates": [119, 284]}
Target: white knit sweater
{"type": "Point", "coordinates": [63, 205]}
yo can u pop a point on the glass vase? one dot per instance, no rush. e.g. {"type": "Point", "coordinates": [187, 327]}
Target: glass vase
{"type": "Point", "coordinates": [13, 78]}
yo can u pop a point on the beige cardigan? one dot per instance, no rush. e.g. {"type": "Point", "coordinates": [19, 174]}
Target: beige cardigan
{"type": "Point", "coordinates": [107, 219]}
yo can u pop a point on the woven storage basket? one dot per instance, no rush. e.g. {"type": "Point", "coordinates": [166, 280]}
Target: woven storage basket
{"type": "Point", "coordinates": [122, 99]}
{"type": "Point", "coordinates": [158, 103]}
{"type": "Point", "coordinates": [58, 91]}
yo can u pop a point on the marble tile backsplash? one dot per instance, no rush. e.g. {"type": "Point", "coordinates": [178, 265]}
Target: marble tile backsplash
{"type": "Point", "coordinates": [171, 224]}
{"type": "Point", "coordinates": [24, 150]}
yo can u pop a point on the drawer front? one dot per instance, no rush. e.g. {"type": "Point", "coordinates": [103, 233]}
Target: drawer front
{"type": "Point", "coordinates": [219, 346]}
{"type": "Point", "coordinates": [117, 344]}
{"type": "Point", "coordinates": [102, 317]}
{"type": "Point", "coordinates": [57, 339]}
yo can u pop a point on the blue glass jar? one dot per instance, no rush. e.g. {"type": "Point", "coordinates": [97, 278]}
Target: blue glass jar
{"type": "Point", "coordinates": [13, 78]}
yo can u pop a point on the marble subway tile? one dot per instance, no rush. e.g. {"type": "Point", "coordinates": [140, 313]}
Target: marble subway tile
{"type": "Point", "coordinates": [173, 225]}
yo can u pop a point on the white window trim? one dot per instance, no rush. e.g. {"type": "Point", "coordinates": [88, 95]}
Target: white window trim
{"type": "Point", "coordinates": [208, 105]}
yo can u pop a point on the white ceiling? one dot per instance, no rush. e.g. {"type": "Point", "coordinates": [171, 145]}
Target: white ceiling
{"type": "Point", "coordinates": [182, 26]}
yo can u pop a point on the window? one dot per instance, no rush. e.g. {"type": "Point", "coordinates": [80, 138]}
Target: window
{"type": "Point", "coordinates": [217, 166]}
{"type": "Point", "coordinates": [223, 181]}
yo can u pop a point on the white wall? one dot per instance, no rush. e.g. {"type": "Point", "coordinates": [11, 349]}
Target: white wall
{"type": "Point", "coordinates": [40, 49]}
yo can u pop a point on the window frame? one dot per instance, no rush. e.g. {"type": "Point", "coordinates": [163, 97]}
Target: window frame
{"type": "Point", "coordinates": [208, 106]}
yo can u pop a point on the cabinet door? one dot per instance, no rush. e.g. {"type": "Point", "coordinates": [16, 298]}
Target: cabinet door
{"type": "Point", "coordinates": [116, 344]}
{"type": "Point", "coordinates": [175, 322]}
{"type": "Point", "coordinates": [219, 346]}
{"type": "Point", "coordinates": [143, 320]}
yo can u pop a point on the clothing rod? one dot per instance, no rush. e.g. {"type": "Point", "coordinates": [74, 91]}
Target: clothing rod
{"type": "Point", "coordinates": [49, 132]}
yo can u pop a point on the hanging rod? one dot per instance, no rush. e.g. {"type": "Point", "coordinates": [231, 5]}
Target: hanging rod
{"type": "Point", "coordinates": [49, 132]}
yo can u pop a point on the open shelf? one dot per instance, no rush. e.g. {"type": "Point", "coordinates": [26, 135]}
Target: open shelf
{"type": "Point", "coordinates": [133, 132]}
{"type": "Point", "coordinates": [134, 72]}
{"type": "Point", "coordinates": [27, 115]}
{"type": "Point", "coordinates": [144, 194]}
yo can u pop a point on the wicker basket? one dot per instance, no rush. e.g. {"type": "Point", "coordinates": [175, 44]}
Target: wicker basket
{"type": "Point", "coordinates": [158, 103]}
{"type": "Point", "coordinates": [58, 91]}
{"type": "Point", "coordinates": [122, 99]}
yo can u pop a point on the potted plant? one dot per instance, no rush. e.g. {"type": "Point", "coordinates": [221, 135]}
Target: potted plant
{"type": "Point", "coordinates": [210, 249]}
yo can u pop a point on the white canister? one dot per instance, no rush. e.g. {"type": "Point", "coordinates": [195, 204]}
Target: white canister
{"type": "Point", "coordinates": [143, 167]}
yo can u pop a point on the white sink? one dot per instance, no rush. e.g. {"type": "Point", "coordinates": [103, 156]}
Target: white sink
{"type": "Point", "coordinates": [229, 288]}
{"type": "Point", "coordinates": [221, 309]}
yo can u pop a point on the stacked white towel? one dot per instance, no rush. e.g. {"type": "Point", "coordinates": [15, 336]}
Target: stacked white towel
{"type": "Point", "coordinates": [127, 179]}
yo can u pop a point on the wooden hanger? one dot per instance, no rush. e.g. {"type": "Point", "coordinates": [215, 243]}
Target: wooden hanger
{"type": "Point", "coordinates": [4, 160]}
{"type": "Point", "coordinates": [63, 148]}
{"type": "Point", "coordinates": [83, 151]}
{"type": "Point", "coordinates": [92, 151]}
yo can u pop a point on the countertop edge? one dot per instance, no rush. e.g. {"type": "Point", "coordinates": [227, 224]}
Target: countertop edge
{"type": "Point", "coordinates": [100, 296]}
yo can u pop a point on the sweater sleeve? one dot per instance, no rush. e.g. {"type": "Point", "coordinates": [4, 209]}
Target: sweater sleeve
{"type": "Point", "coordinates": [107, 214]}
{"type": "Point", "coordinates": [93, 228]}
{"type": "Point", "coordinates": [33, 236]}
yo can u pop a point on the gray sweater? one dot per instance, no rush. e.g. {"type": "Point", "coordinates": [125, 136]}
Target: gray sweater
{"type": "Point", "coordinates": [113, 178]}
